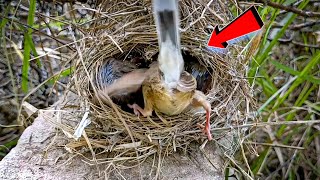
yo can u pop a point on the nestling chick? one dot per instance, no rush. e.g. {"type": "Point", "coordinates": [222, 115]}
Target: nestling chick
{"type": "Point", "coordinates": [169, 89]}
{"type": "Point", "coordinates": [202, 74]}
{"type": "Point", "coordinates": [121, 80]}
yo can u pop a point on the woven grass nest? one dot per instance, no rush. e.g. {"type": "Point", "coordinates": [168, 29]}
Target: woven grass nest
{"type": "Point", "coordinates": [126, 30]}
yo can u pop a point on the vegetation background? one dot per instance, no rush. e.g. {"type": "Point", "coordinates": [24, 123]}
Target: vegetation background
{"type": "Point", "coordinates": [36, 38]}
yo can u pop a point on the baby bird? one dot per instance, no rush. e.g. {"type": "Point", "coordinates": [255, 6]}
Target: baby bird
{"type": "Point", "coordinates": [121, 80]}
{"type": "Point", "coordinates": [168, 88]}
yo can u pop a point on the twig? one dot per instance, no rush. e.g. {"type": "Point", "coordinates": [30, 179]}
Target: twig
{"type": "Point", "coordinates": [306, 45]}
{"type": "Point", "coordinates": [278, 169]}
{"type": "Point", "coordinates": [12, 77]}
{"type": "Point", "coordinates": [10, 126]}
{"type": "Point", "coordinates": [296, 151]}
{"type": "Point", "coordinates": [235, 163]}
{"type": "Point", "coordinates": [289, 9]}
{"type": "Point", "coordinates": [283, 88]}
{"type": "Point", "coordinates": [274, 145]}
{"type": "Point", "coordinates": [276, 149]}
{"type": "Point", "coordinates": [262, 124]}
{"type": "Point", "coordinates": [53, 50]}
{"type": "Point", "coordinates": [290, 40]}
{"type": "Point", "coordinates": [37, 30]}
{"type": "Point", "coordinates": [298, 26]}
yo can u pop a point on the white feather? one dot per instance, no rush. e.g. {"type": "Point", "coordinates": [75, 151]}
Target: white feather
{"type": "Point", "coordinates": [170, 60]}
{"type": "Point", "coordinates": [170, 63]}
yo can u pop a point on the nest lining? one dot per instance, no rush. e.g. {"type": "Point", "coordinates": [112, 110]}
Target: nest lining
{"type": "Point", "coordinates": [127, 28]}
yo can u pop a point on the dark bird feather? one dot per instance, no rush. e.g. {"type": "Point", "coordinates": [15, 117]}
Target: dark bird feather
{"type": "Point", "coordinates": [202, 74]}
{"type": "Point", "coordinates": [121, 80]}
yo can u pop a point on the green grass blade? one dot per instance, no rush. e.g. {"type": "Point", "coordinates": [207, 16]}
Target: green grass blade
{"type": "Point", "coordinates": [63, 73]}
{"type": "Point", "coordinates": [256, 165]}
{"type": "Point", "coordinates": [9, 145]}
{"type": "Point", "coordinates": [312, 105]}
{"type": "Point", "coordinates": [255, 64]}
{"type": "Point", "coordinates": [33, 48]}
{"type": "Point", "coordinates": [315, 60]}
{"type": "Point", "coordinates": [260, 59]}
{"type": "Point", "coordinates": [267, 84]}
{"type": "Point", "coordinates": [274, 96]}
{"type": "Point", "coordinates": [27, 47]}
{"type": "Point", "coordinates": [4, 21]}
{"type": "Point", "coordinates": [295, 73]}
{"type": "Point", "coordinates": [303, 95]}
{"type": "Point", "coordinates": [26, 64]}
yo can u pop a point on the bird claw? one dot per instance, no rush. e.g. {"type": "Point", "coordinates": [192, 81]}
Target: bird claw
{"type": "Point", "coordinates": [136, 112]}
{"type": "Point", "coordinates": [135, 109]}
{"type": "Point", "coordinates": [205, 130]}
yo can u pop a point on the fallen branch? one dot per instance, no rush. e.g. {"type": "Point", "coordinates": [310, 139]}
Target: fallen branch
{"type": "Point", "coordinates": [298, 26]}
{"type": "Point", "coordinates": [289, 8]}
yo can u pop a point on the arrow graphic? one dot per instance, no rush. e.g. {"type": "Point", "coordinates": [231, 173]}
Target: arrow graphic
{"type": "Point", "coordinates": [246, 23]}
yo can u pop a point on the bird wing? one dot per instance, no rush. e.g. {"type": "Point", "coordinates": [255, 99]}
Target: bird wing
{"type": "Point", "coordinates": [202, 74]}
{"type": "Point", "coordinates": [128, 83]}
{"type": "Point", "coordinates": [111, 70]}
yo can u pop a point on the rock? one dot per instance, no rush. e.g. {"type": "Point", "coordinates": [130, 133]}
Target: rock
{"type": "Point", "coordinates": [35, 158]}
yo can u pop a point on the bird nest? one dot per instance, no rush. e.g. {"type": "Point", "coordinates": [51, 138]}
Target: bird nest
{"type": "Point", "coordinates": [126, 30]}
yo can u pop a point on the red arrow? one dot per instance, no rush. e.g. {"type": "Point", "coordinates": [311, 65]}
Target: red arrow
{"type": "Point", "coordinates": [246, 23]}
